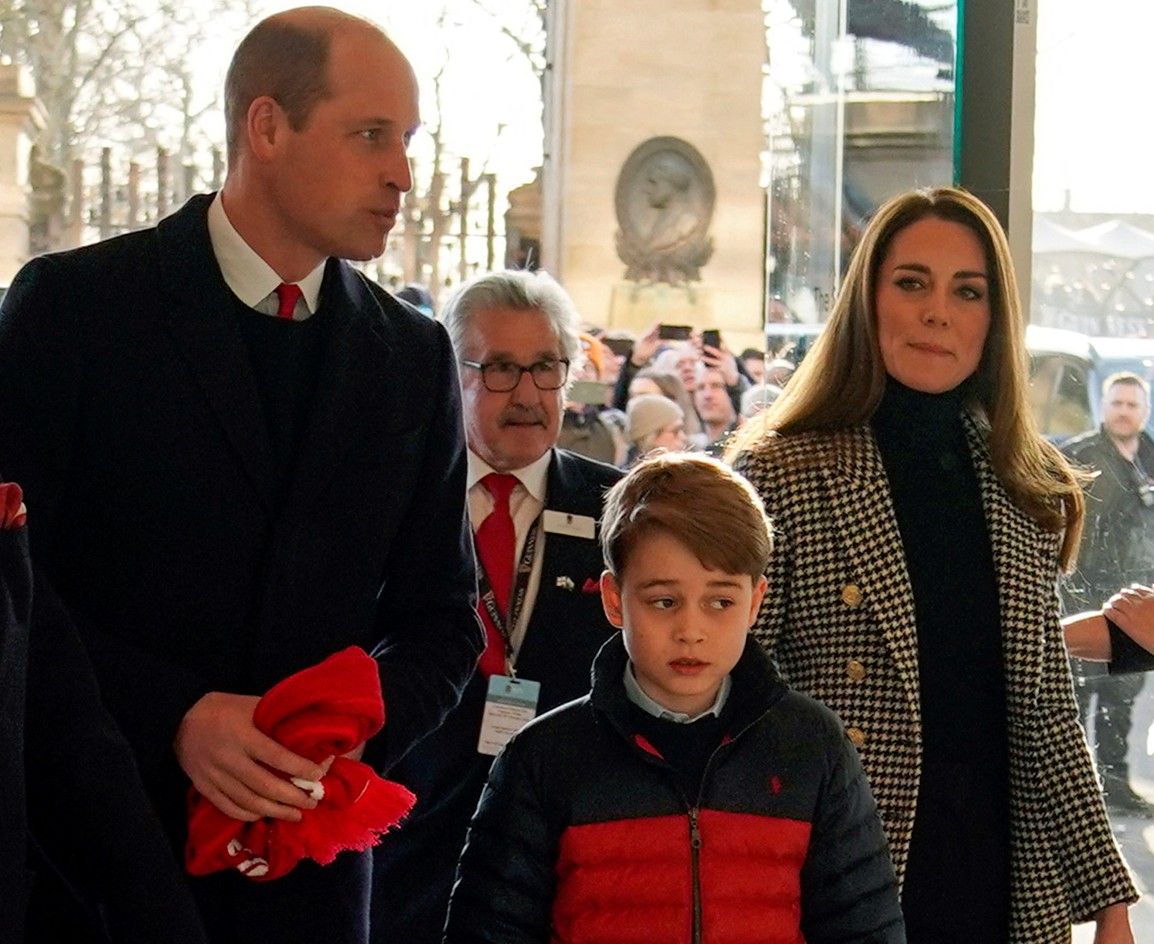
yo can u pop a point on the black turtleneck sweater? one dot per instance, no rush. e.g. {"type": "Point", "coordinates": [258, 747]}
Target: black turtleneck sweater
{"type": "Point", "coordinates": [957, 880]}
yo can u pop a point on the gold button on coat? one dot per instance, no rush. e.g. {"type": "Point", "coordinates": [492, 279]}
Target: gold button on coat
{"type": "Point", "coordinates": [851, 595]}
{"type": "Point", "coordinates": [856, 736]}
{"type": "Point", "coordinates": [855, 670]}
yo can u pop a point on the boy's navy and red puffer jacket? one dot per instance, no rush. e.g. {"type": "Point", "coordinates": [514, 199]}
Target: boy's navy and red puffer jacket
{"type": "Point", "coordinates": [583, 836]}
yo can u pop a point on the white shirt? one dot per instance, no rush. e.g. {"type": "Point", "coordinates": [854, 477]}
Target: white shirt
{"type": "Point", "coordinates": [250, 278]}
{"type": "Point", "coordinates": [526, 502]}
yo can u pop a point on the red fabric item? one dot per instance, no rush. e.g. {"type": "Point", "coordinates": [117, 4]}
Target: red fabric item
{"type": "Point", "coordinates": [325, 710]}
{"type": "Point", "coordinates": [12, 511]}
{"type": "Point", "coordinates": [496, 547]}
{"type": "Point", "coordinates": [287, 295]}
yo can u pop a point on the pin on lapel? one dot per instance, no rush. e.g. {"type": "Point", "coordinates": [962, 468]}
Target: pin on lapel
{"type": "Point", "coordinates": [566, 583]}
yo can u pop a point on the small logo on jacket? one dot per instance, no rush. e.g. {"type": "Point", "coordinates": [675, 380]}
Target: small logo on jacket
{"type": "Point", "coordinates": [12, 510]}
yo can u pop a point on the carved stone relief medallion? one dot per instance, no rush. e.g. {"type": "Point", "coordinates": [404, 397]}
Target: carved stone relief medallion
{"type": "Point", "coordinates": [664, 202]}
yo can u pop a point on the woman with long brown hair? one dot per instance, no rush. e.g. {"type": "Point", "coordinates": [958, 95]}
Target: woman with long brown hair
{"type": "Point", "coordinates": [921, 524]}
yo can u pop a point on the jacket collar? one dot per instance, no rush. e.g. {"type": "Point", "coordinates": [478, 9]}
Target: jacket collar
{"type": "Point", "coordinates": [756, 687]}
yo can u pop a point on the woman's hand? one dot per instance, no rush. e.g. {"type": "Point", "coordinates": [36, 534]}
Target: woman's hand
{"type": "Point", "coordinates": [1113, 925]}
{"type": "Point", "coordinates": [1132, 609]}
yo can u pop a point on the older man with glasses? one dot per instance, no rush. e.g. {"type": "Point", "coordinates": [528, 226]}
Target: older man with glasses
{"type": "Point", "coordinates": [534, 510]}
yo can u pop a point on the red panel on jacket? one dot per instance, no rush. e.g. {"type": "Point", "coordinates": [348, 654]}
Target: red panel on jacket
{"type": "Point", "coordinates": [631, 881]}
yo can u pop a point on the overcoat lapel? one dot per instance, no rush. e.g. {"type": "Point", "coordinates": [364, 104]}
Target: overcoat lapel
{"type": "Point", "coordinates": [863, 513]}
{"type": "Point", "coordinates": [199, 317]}
{"type": "Point", "coordinates": [352, 380]}
{"type": "Point", "coordinates": [553, 564]}
{"type": "Point", "coordinates": [1019, 545]}
{"type": "Point", "coordinates": [566, 490]}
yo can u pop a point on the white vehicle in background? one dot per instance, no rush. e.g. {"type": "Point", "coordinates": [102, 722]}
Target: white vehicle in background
{"type": "Point", "coordinates": [1066, 374]}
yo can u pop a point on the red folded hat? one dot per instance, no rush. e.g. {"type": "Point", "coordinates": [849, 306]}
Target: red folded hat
{"type": "Point", "coordinates": [322, 711]}
{"type": "Point", "coordinates": [12, 512]}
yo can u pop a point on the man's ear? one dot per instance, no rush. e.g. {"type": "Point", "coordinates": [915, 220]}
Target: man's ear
{"type": "Point", "coordinates": [265, 123]}
{"type": "Point", "coordinates": [611, 599]}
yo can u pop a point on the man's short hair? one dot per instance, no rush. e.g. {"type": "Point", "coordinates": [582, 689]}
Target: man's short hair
{"type": "Point", "coordinates": [520, 290]}
{"type": "Point", "coordinates": [1129, 378]}
{"type": "Point", "coordinates": [696, 500]}
{"type": "Point", "coordinates": [283, 60]}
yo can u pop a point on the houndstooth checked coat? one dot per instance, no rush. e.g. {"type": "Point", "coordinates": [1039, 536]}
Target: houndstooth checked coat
{"type": "Point", "coordinates": [839, 620]}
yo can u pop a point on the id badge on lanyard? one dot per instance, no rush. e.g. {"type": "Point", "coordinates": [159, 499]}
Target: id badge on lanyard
{"type": "Point", "coordinates": [510, 704]}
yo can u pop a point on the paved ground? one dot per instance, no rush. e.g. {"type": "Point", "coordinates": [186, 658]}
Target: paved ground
{"type": "Point", "coordinates": [1135, 835]}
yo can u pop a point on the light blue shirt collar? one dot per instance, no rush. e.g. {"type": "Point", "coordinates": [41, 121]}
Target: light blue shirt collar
{"type": "Point", "coordinates": [634, 693]}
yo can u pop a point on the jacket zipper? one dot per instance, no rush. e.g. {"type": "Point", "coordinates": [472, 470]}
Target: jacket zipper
{"type": "Point", "coordinates": [695, 862]}
{"type": "Point", "coordinates": [694, 811]}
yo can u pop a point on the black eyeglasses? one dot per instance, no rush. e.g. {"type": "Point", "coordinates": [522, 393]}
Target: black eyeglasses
{"type": "Point", "coordinates": [503, 376]}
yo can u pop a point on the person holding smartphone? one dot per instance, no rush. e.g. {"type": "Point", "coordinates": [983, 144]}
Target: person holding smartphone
{"type": "Point", "coordinates": [693, 350]}
{"type": "Point", "coordinates": [716, 356]}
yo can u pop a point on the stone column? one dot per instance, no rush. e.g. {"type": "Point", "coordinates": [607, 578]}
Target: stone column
{"type": "Point", "coordinates": [621, 73]}
{"type": "Point", "coordinates": [21, 116]}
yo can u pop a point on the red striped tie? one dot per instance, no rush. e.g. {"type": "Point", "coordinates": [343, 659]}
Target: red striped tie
{"type": "Point", "coordinates": [496, 545]}
{"type": "Point", "coordinates": [287, 294]}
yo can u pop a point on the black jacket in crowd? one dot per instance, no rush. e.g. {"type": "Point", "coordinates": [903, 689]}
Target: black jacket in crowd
{"type": "Point", "coordinates": [1117, 546]}
{"type": "Point", "coordinates": [196, 551]}
{"type": "Point", "coordinates": [71, 788]}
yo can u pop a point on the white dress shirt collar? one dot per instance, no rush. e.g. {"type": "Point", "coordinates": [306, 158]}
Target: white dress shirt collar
{"type": "Point", "coordinates": [250, 278]}
{"type": "Point", "coordinates": [532, 477]}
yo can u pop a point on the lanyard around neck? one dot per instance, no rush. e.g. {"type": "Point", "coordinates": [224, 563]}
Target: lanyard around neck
{"type": "Point", "coordinates": [517, 600]}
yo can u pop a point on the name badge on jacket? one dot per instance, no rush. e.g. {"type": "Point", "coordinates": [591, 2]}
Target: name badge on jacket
{"type": "Point", "coordinates": [562, 522]}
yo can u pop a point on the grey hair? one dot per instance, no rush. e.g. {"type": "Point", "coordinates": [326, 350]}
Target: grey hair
{"type": "Point", "coordinates": [520, 290]}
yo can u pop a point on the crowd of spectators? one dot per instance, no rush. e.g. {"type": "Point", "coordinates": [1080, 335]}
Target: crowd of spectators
{"type": "Point", "coordinates": [634, 394]}
{"type": "Point", "coordinates": [229, 459]}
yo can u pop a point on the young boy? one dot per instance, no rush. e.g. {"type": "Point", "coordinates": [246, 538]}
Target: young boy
{"type": "Point", "coordinates": [691, 796]}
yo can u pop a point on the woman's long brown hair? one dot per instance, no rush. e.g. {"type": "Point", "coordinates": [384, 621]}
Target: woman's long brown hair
{"type": "Point", "coordinates": [841, 380]}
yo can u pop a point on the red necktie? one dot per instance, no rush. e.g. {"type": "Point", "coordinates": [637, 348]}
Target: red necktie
{"type": "Point", "coordinates": [287, 294]}
{"type": "Point", "coordinates": [496, 545]}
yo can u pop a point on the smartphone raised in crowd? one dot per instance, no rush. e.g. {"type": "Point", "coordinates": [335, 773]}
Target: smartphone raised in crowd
{"type": "Point", "coordinates": [711, 337]}
{"type": "Point", "coordinates": [672, 332]}
{"type": "Point", "coordinates": [589, 392]}
{"type": "Point", "coordinates": [622, 347]}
